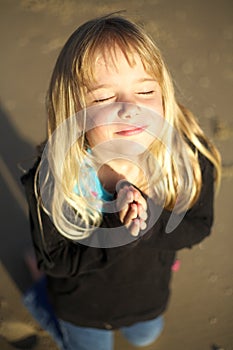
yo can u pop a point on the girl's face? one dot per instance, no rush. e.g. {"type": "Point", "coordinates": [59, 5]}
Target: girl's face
{"type": "Point", "coordinates": [125, 104]}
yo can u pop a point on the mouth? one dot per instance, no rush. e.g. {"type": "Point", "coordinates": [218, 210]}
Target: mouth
{"type": "Point", "coordinates": [131, 131]}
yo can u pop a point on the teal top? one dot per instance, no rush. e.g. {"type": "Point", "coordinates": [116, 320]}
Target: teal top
{"type": "Point", "coordinates": [92, 187]}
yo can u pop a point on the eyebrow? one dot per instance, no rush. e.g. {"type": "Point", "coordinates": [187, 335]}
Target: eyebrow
{"type": "Point", "coordinates": [101, 86]}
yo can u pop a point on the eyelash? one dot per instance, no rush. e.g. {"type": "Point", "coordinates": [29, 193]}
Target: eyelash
{"type": "Point", "coordinates": [103, 99]}
{"type": "Point", "coordinates": [146, 93]}
{"type": "Point", "coordinates": [109, 98]}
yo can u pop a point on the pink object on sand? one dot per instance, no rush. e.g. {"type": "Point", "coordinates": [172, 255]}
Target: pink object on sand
{"type": "Point", "coordinates": [176, 265]}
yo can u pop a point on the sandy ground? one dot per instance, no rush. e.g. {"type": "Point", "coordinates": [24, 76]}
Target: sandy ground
{"type": "Point", "coordinates": [196, 40]}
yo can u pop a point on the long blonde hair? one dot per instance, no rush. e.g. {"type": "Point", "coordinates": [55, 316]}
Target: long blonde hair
{"type": "Point", "coordinates": [74, 213]}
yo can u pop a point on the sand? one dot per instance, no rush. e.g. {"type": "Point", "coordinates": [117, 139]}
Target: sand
{"type": "Point", "coordinates": [196, 41]}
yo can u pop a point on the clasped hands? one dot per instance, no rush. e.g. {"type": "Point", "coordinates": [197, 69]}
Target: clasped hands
{"type": "Point", "coordinates": [132, 209]}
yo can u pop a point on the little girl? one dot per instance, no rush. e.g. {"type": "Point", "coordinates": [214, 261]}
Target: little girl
{"type": "Point", "coordinates": [126, 179]}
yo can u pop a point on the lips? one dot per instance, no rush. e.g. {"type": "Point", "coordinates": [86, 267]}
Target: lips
{"type": "Point", "coordinates": [131, 131]}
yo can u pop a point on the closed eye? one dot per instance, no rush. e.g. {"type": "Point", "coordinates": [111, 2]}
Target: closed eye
{"type": "Point", "coordinates": [103, 99]}
{"type": "Point", "coordinates": [146, 92]}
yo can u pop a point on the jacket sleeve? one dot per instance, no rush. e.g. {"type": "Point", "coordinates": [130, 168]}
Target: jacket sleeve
{"type": "Point", "coordinates": [196, 223]}
{"type": "Point", "coordinates": [56, 255]}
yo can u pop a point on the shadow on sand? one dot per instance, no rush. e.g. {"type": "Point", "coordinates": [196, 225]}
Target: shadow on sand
{"type": "Point", "coordinates": [15, 154]}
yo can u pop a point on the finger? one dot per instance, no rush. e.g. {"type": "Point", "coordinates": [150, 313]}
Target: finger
{"type": "Point", "coordinates": [134, 228]}
{"type": "Point", "coordinates": [130, 215]}
{"type": "Point", "coordinates": [124, 197]}
{"type": "Point", "coordinates": [127, 214]}
{"type": "Point", "coordinates": [143, 202]}
{"type": "Point", "coordinates": [137, 197]}
{"type": "Point", "coordinates": [143, 225]}
{"type": "Point", "coordinates": [136, 193]}
{"type": "Point", "coordinates": [142, 214]}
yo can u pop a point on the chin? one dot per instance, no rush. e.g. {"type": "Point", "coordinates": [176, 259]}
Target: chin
{"type": "Point", "coordinates": [119, 148]}
{"type": "Point", "coordinates": [133, 151]}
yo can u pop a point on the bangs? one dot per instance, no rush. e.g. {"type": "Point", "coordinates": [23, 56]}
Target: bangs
{"type": "Point", "coordinates": [107, 42]}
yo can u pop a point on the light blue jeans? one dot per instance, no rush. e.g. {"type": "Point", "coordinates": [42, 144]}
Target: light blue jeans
{"type": "Point", "coordinates": [70, 337]}
{"type": "Point", "coordinates": [82, 338]}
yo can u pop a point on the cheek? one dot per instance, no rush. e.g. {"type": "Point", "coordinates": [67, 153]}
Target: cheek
{"type": "Point", "coordinates": [97, 136]}
{"type": "Point", "coordinates": [103, 115]}
{"type": "Point", "coordinates": [158, 106]}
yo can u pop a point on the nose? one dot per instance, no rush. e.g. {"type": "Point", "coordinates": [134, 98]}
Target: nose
{"type": "Point", "coordinates": [128, 110]}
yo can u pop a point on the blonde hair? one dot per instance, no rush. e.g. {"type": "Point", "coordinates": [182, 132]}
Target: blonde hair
{"type": "Point", "coordinates": [63, 167]}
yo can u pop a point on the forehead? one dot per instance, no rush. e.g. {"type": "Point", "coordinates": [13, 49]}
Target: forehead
{"type": "Point", "coordinates": [113, 57]}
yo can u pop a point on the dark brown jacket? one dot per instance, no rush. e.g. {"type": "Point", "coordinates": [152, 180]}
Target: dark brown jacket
{"type": "Point", "coordinates": [115, 287]}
